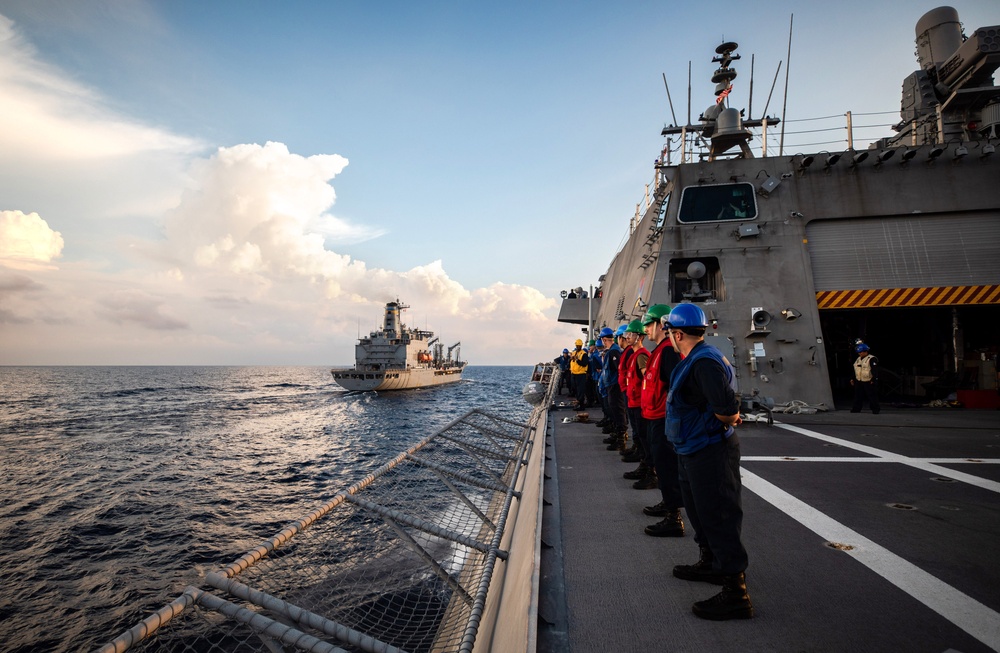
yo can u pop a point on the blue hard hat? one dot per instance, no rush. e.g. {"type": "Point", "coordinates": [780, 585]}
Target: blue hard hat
{"type": "Point", "coordinates": [861, 347]}
{"type": "Point", "coordinates": [685, 315]}
{"type": "Point", "coordinates": [599, 344]}
{"type": "Point", "coordinates": [620, 331]}
{"type": "Point", "coordinates": [565, 351]}
{"type": "Point", "coordinates": [606, 332]}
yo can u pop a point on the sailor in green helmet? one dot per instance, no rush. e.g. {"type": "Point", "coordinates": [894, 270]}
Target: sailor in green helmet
{"type": "Point", "coordinates": [655, 383]}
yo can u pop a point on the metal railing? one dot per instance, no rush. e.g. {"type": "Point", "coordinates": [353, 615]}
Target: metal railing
{"type": "Point", "coordinates": [400, 561]}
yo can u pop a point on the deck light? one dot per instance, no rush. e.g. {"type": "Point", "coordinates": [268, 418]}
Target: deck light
{"type": "Point", "coordinates": [907, 155]}
{"type": "Point", "coordinates": [831, 160]}
{"type": "Point", "coordinates": [804, 161]}
{"type": "Point", "coordinates": [961, 151]}
{"type": "Point", "coordinates": [858, 158]}
{"type": "Point", "coordinates": [884, 156]}
{"type": "Point", "coordinates": [935, 152]}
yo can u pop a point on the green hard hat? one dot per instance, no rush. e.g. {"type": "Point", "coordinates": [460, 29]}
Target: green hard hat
{"type": "Point", "coordinates": [654, 313]}
{"type": "Point", "coordinates": [635, 326]}
{"type": "Point", "coordinates": [591, 343]}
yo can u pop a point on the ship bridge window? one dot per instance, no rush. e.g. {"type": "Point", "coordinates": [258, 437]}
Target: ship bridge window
{"type": "Point", "coordinates": [717, 202]}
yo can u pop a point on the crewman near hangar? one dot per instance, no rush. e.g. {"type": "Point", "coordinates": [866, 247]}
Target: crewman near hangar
{"type": "Point", "coordinates": [865, 379]}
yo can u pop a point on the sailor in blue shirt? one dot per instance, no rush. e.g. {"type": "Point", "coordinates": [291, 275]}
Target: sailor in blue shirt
{"type": "Point", "coordinates": [702, 413]}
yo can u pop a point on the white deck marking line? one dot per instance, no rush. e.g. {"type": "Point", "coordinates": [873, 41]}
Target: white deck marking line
{"type": "Point", "coordinates": [869, 459]}
{"type": "Point", "coordinates": [960, 609]}
{"type": "Point", "coordinates": [919, 463]}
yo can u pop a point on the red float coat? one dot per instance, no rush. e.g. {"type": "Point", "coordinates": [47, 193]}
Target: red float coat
{"type": "Point", "coordinates": [623, 365]}
{"type": "Point", "coordinates": [654, 391]}
{"type": "Point", "coordinates": [634, 380]}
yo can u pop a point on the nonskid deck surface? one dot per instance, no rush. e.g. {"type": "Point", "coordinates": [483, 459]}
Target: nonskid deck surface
{"type": "Point", "coordinates": [916, 494]}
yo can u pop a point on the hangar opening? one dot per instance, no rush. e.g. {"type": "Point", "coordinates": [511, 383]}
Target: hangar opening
{"type": "Point", "coordinates": [924, 353]}
{"type": "Point", "coordinates": [922, 290]}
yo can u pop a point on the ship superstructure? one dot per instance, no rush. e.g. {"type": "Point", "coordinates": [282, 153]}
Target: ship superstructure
{"type": "Point", "coordinates": [794, 258]}
{"type": "Point", "coordinates": [397, 357]}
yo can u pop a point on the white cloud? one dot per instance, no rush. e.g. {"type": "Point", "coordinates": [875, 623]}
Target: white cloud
{"type": "Point", "coordinates": [245, 270]}
{"type": "Point", "coordinates": [26, 240]}
{"type": "Point", "coordinates": [73, 121]}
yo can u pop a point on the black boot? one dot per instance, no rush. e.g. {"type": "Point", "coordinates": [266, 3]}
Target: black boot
{"type": "Point", "coordinates": [616, 444]}
{"type": "Point", "coordinates": [631, 456]}
{"type": "Point", "coordinates": [731, 603]}
{"type": "Point", "coordinates": [648, 482]}
{"type": "Point", "coordinates": [670, 526]}
{"type": "Point", "coordinates": [659, 510]}
{"type": "Point", "coordinates": [611, 438]}
{"type": "Point", "coordinates": [700, 571]}
{"type": "Point", "coordinates": [637, 473]}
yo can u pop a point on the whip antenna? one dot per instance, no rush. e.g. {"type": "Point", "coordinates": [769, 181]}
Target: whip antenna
{"type": "Point", "coordinates": [672, 114]}
{"type": "Point", "coordinates": [784, 106]}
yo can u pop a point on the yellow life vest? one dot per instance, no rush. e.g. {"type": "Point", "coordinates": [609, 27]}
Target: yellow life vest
{"type": "Point", "coordinates": [575, 366]}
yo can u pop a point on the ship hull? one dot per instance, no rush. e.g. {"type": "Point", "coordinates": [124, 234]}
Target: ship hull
{"type": "Point", "coordinates": [357, 381]}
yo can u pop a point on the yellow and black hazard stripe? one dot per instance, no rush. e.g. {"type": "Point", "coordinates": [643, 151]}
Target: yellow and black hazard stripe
{"type": "Point", "coordinates": [896, 297]}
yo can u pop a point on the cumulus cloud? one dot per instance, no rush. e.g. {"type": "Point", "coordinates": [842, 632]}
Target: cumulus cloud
{"type": "Point", "coordinates": [27, 240]}
{"type": "Point", "coordinates": [250, 265]}
{"type": "Point", "coordinates": [259, 209]}
{"type": "Point", "coordinates": [251, 213]}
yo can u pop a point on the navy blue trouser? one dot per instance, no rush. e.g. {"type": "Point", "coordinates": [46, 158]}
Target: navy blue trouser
{"type": "Point", "coordinates": [863, 390]}
{"type": "Point", "coordinates": [710, 483]}
{"type": "Point", "coordinates": [616, 407]}
{"type": "Point", "coordinates": [639, 434]}
{"type": "Point", "coordinates": [664, 462]}
{"type": "Point", "coordinates": [580, 388]}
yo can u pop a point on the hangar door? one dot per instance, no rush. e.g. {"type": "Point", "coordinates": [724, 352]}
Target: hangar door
{"type": "Point", "coordinates": [922, 290]}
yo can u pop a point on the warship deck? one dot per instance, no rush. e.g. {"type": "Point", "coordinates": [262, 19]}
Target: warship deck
{"type": "Point", "coordinates": [915, 493]}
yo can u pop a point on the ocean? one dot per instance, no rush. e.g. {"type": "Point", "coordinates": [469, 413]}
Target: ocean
{"type": "Point", "coordinates": [120, 484]}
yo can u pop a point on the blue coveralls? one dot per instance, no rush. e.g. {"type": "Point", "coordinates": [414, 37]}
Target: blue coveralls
{"type": "Point", "coordinates": [708, 454]}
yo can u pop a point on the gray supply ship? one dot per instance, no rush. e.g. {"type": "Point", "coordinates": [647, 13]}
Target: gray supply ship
{"type": "Point", "coordinates": [796, 257]}
{"type": "Point", "coordinates": [400, 358]}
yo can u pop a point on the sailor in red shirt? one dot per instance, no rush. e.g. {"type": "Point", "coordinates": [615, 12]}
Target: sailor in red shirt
{"type": "Point", "coordinates": [643, 475]}
{"type": "Point", "coordinates": [655, 384]}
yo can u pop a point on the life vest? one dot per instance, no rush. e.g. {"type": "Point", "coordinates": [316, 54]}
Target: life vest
{"type": "Point", "coordinates": [575, 366]}
{"type": "Point", "coordinates": [623, 364]}
{"type": "Point", "coordinates": [612, 362]}
{"type": "Point", "coordinates": [688, 428]}
{"type": "Point", "coordinates": [654, 391]}
{"type": "Point", "coordinates": [863, 368]}
{"type": "Point", "coordinates": [634, 392]}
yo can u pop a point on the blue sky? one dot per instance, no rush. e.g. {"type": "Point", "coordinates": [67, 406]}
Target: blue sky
{"type": "Point", "coordinates": [472, 158]}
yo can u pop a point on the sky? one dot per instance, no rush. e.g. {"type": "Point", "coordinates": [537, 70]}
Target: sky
{"type": "Point", "coordinates": [247, 183]}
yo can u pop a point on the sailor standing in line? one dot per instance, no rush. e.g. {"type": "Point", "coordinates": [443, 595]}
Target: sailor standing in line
{"type": "Point", "coordinates": [631, 454]}
{"type": "Point", "coordinates": [635, 369]}
{"type": "Point", "coordinates": [865, 380]}
{"type": "Point", "coordinates": [578, 373]}
{"type": "Point", "coordinates": [614, 401]}
{"type": "Point", "coordinates": [564, 377]}
{"type": "Point", "coordinates": [655, 383]}
{"type": "Point", "coordinates": [702, 411]}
